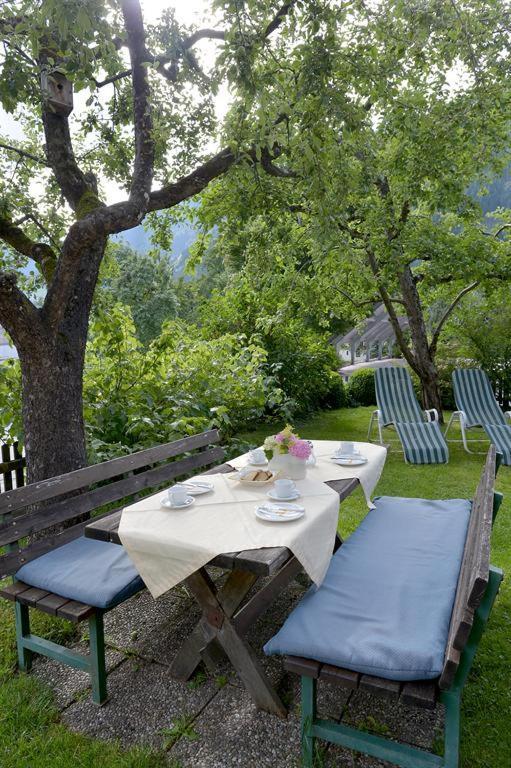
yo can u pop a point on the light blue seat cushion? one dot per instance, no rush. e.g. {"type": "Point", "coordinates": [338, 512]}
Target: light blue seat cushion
{"type": "Point", "coordinates": [94, 572]}
{"type": "Point", "coordinates": [385, 605]}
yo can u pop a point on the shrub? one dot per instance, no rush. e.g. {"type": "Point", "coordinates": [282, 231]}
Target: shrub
{"type": "Point", "coordinates": [335, 396]}
{"type": "Point", "coordinates": [180, 385]}
{"type": "Point", "coordinates": [361, 389]}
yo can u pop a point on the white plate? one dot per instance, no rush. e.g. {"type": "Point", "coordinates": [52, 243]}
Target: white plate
{"type": "Point", "coordinates": [168, 504]}
{"type": "Point", "coordinates": [237, 476]}
{"type": "Point", "coordinates": [196, 490]}
{"type": "Point", "coordinates": [349, 461]}
{"type": "Point", "coordinates": [279, 513]}
{"type": "Point", "coordinates": [295, 495]}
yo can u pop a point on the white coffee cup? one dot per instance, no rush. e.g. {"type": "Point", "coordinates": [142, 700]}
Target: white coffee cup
{"type": "Point", "coordinates": [284, 488]}
{"type": "Point", "coordinates": [257, 456]}
{"type": "Point", "coordinates": [346, 448]}
{"type": "Point", "coordinates": [177, 495]}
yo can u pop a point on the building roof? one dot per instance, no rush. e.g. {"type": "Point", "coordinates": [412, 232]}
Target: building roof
{"type": "Point", "coordinates": [376, 328]}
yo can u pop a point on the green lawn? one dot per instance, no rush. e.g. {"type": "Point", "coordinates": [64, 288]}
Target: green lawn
{"type": "Point", "coordinates": [486, 732]}
{"type": "Point", "coordinates": [31, 736]}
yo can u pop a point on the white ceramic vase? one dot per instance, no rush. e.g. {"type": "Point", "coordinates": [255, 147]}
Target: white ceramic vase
{"type": "Point", "coordinates": [288, 466]}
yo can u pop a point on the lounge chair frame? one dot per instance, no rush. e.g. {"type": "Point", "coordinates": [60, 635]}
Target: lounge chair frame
{"type": "Point", "coordinates": [462, 418]}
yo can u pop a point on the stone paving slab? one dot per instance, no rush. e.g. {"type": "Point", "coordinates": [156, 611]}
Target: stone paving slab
{"type": "Point", "coordinates": [144, 702]}
{"type": "Point", "coordinates": [67, 683]}
{"type": "Point", "coordinates": [223, 727]}
{"type": "Point", "coordinates": [232, 733]}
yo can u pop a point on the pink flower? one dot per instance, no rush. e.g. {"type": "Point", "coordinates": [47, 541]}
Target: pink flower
{"type": "Point", "coordinates": [279, 437]}
{"type": "Point", "coordinates": [301, 449]}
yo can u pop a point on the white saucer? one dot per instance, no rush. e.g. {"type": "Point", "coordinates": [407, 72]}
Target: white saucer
{"type": "Point", "coordinates": [283, 513]}
{"type": "Point", "coordinates": [257, 464]}
{"type": "Point", "coordinates": [294, 495]}
{"type": "Point", "coordinates": [355, 460]}
{"type": "Point", "coordinates": [196, 490]}
{"type": "Point", "coordinates": [168, 504]}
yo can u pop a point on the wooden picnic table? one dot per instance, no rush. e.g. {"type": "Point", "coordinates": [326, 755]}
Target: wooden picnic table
{"type": "Point", "coordinates": [226, 613]}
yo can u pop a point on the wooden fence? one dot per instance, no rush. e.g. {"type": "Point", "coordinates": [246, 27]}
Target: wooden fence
{"type": "Point", "coordinates": [12, 467]}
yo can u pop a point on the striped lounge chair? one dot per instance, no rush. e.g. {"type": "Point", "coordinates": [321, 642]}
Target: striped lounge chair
{"type": "Point", "coordinates": [477, 407]}
{"type": "Point", "coordinates": [418, 430]}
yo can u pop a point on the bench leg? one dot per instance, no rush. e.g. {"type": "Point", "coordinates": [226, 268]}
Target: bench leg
{"type": "Point", "coordinates": [97, 658]}
{"type": "Point", "coordinates": [309, 691]}
{"type": "Point", "coordinates": [22, 623]}
{"type": "Point", "coordinates": [452, 730]}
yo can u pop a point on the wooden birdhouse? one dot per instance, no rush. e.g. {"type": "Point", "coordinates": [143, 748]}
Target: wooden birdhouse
{"type": "Point", "coordinates": [57, 92]}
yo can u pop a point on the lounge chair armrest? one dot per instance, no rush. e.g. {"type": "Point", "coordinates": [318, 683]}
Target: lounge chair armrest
{"type": "Point", "coordinates": [431, 414]}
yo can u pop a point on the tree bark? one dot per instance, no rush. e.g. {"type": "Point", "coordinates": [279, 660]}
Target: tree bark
{"type": "Point", "coordinates": [52, 408]}
{"type": "Point", "coordinates": [51, 348]}
{"type": "Point", "coordinates": [425, 366]}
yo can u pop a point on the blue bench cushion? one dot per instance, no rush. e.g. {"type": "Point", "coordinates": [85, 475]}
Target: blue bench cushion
{"type": "Point", "coordinates": [385, 605]}
{"type": "Point", "coordinates": [94, 572]}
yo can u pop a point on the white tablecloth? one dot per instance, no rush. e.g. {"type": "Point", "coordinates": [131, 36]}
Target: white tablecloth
{"type": "Point", "coordinates": [368, 474]}
{"type": "Point", "coordinates": [166, 546]}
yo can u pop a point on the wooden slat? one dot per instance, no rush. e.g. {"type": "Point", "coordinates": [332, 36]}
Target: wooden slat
{"type": "Point", "coordinates": [344, 487]}
{"type": "Point", "coordinates": [51, 515]}
{"type": "Point", "coordinates": [475, 569]}
{"type": "Point", "coordinates": [32, 596]}
{"type": "Point", "coordinates": [343, 677]}
{"type": "Point", "coordinates": [301, 666]}
{"type": "Point", "coordinates": [56, 486]}
{"type": "Point", "coordinates": [12, 591]}
{"type": "Point", "coordinates": [105, 528]}
{"type": "Point", "coordinates": [51, 603]}
{"type": "Point", "coordinates": [11, 561]}
{"type": "Point", "coordinates": [463, 629]}
{"type": "Point", "coordinates": [264, 562]}
{"type": "Point", "coordinates": [421, 693]}
{"type": "Point", "coordinates": [75, 611]}
{"type": "Point", "coordinates": [225, 560]}
{"type": "Point", "coordinates": [221, 469]}
{"type": "Point", "coordinates": [380, 686]}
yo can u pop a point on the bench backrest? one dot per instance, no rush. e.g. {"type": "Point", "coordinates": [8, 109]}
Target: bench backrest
{"type": "Point", "coordinates": [474, 573]}
{"type": "Point", "coordinates": [35, 508]}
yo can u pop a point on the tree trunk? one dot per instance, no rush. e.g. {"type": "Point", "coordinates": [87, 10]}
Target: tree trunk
{"type": "Point", "coordinates": [52, 353]}
{"type": "Point", "coordinates": [431, 392]}
{"type": "Point", "coordinates": [425, 366]}
{"type": "Point", "coordinates": [52, 409]}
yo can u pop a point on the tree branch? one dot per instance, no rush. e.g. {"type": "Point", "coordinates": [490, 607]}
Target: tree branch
{"type": "Point", "coordinates": [144, 144]}
{"type": "Point", "coordinates": [274, 170]}
{"type": "Point", "coordinates": [74, 184]}
{"type": "Point", "coordinates": [373, 300]}
{"type": "Point", "coordinates": [278, 18]}
{"type": "Point", "coordinates": [23, 153]}
{"type": "Point", "coordinates": [394, 320]}
{"type": "Point", "coordinates": [18, 315]}
{"type": "Point", "coordinates": [194, 182]}
{"type": "Point", "coordinates": [446, 315]}
{"type": "Point", "coordinates": [41, 253]}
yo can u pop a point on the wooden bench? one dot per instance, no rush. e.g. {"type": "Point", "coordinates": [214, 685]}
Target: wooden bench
{"type": "Point", "coordinates": [478, 585]}
{"type": "Point", "coordinates": [31, 524]}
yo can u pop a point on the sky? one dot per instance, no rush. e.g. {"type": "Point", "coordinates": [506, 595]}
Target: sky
{"type": "Point", "coordinates": [196, 12]}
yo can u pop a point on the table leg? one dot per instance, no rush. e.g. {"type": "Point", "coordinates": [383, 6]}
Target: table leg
{"type": "Point", "coordinates": [229, 598]}
{"type": "Point", "coordinates": [216, 625]}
